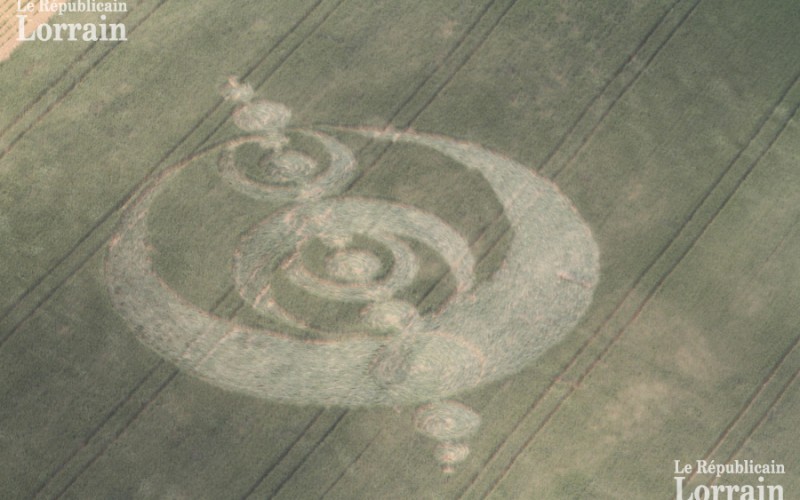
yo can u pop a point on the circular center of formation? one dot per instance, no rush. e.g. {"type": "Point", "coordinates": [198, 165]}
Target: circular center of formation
{"type": "Point", "coordinates": [354, 266]}
{"type": "Point", "coordinates": [275, 256]}
{"type": "Point", "coordinates": [290, 166]}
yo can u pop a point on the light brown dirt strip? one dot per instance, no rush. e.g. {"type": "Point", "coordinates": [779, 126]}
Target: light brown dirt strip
{"type": "Point", "coordinates": [7, 12]}
{"type": "Point", "coordinates": [10, 20]}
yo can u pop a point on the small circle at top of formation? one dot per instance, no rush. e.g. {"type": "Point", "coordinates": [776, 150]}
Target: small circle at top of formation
{"type": "Point", "coordinates": [262, 115]}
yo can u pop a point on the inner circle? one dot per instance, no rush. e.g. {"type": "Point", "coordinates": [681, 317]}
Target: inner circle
{"type": "Point", "coordinates": [367, 255]}
{"type": "Point", "coordinates": [353, 265]}
{"type": "Point", "coordinates": [289, 166]}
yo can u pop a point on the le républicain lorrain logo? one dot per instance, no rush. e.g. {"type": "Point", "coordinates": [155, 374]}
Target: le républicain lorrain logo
{"type": "Point", "coordinates": [753, 486]}
{"type": "Point", "coordinates": [313, 244]}
{"type": "Point", "coordinates": [32, 14]}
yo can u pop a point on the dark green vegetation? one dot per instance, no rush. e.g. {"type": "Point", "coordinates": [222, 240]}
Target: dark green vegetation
{"type": "Point", "coordinates": [671, 125]}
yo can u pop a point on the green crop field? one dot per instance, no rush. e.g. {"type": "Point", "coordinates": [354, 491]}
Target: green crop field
{"type": "Point", "coordinates": [523, 249]}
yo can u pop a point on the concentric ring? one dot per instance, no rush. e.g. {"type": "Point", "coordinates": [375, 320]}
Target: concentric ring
{"type": "Point", "coordinates": [486, 331]}
{"type": "Point", "coordinates": [333, 180]}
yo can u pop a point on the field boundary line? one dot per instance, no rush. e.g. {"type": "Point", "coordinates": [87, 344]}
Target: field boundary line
{"type": "Point", "coordinates": [708, 203]}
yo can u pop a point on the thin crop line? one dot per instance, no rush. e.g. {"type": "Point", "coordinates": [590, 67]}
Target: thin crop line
{"type": "Point", "coordinates": [350, 465]}
{"type": "Point", "coordinates": [316, 446]}
{"type": "Point", "coordinates": [283, 455]}
{"type": "Point", "coordinates": [117, 434]}
{"type": "Point", "coordinates": [625, 89]}
{"type": "Point", "coordinates": [571, 130]}
{"type": "Point", "coordinates": [114, 410]}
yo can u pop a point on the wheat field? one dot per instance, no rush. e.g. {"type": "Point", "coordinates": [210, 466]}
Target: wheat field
{"type": "Point", "coordinates": [356, 249]}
